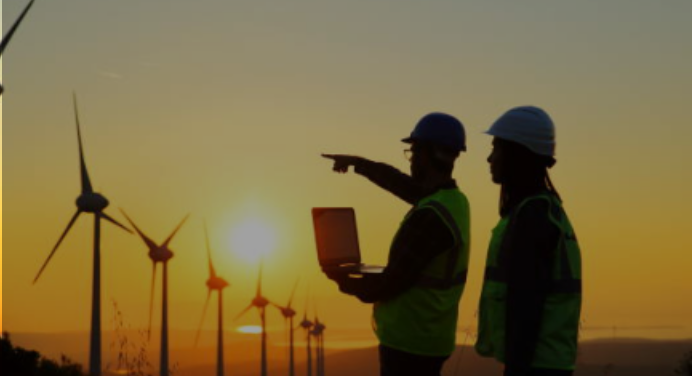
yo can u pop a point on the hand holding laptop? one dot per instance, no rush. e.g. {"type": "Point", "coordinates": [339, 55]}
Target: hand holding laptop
{"type": "Point", "coordinates": [336, 236]}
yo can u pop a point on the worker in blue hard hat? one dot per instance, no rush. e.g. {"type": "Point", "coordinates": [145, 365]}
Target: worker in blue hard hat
{"type": "Point", "coordinates": [416, 298]}
{"type": "Point", "coordinates": [531, 299]}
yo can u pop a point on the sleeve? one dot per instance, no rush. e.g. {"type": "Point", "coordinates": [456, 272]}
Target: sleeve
{"type": "Point", "coordinates": [392, 180]}
{"type": "Point", "coordinates": [423, 237]}
{"type": "Point", "coordinates": [529, 246]}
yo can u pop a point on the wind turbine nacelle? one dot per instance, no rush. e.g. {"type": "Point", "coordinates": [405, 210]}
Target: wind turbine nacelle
{"type": "Point", "coordinates": [306, 324]}
{"type": "Point", "coordinates": [260, 302]}
{"type": "Point", "coordinates": [216, 283]}
{"type": "Point", "coordinates": [288, 312]}
{"type": "Point", "coordinates": [92, 202]}
{"type": "Point", "coordinates": [161, 255]}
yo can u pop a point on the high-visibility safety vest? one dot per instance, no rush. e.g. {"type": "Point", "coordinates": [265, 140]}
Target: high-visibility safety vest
{"type": "Point", "coordinates": [557, 338]}
{"type": "Point", "coordinates": [423, 319]}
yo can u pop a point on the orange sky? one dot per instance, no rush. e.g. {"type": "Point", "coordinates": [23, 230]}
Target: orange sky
{"type": "Point", "coordinates": [221, 111]}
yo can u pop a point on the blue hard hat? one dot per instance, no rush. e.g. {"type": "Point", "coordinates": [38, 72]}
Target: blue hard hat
{"type": "Point", "coordinates": [439, 129]}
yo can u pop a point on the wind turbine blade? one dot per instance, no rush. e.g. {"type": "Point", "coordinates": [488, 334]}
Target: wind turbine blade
{"type": "Point", "coordinates": [277, 306]}
{"type": "Point", "coordinates": [307, 298]}
{"type": "Point", "coordinates": [64, 233]}
{"type": "Point", "coordinates": [150, 243]}
{"type": "Point", "coordinates": [175, 231]}
{"type": "Point", "coordinates": [151, 298]}
{"type": "Point", "coordinates": [9, 34]}
{"type": "Point", "coordinates": [201, 321]}
{"type": "Point", "coordinates": [243, 312]}
{"type": "Point", "coordinates": [212, 272]}
{"type": "Point", "coordinates": [259, 280]}
{"type": "Point", "coordinates": [113, 221]}
{"type": "Point", "coordinates": [293, 293]}
{"type": "Point", "coordinates": [86, 182]}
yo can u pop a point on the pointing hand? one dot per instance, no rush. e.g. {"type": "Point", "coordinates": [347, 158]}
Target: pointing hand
{"type": "Point", "coordinates": [342, 162]}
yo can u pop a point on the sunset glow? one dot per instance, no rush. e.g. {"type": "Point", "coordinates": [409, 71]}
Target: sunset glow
{"type": "Point", "coordinates": [227, 119]}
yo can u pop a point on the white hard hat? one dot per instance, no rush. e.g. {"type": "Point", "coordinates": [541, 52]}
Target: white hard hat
{"type": "Point", "coordinates": [529, 126]}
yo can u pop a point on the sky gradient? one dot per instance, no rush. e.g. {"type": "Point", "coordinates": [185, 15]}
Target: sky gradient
{"type": "Point", "coordinates": [221, 109]}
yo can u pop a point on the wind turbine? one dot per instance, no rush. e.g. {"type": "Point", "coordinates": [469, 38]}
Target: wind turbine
{"type": "Point", "coordinates": [8, 36]}
{"type": "Point", "coordinates": [260, 302]}
{"type": "Point", "coordinates": [218, 284]}
{"type": "Point", "coordinates": [307, 325]}
{"type": "Point", "coordinates": [89, 202]}
{"type": "Point", "coordinates": [288, 313]}
{"type": "Point", "coordinates": [159, 253]}
{"type": "Point", "coordinates": [318, 331]}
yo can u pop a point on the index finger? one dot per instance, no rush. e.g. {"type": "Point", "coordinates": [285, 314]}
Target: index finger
{"type": "Point", "coordinates": [329, 156]}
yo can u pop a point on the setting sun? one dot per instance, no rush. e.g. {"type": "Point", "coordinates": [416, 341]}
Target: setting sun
{"type": "Point", "coordinates": [252, 239]}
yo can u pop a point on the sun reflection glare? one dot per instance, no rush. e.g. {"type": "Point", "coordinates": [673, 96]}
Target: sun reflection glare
{"type": "Point", "coordinates": [249, 329]}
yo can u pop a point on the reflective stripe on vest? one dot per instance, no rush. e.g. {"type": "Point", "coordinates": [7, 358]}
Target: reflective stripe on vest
{"type": "Point", "coordinates": [442, 284]}
{"type": "Point", "coordinates": [563, 285]}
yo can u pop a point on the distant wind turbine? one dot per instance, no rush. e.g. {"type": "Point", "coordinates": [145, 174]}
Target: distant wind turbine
{"type": "Point", "coordinates": [288, 313]}
{"type": "Point", "coordinates": [260, 302]}
{"type": "Point", "coordinates": [159, 253]}
{"type": "Point", "coordinates": [8, 36]}
{"type": "Point", "coordinates": [307, 325]}
{"type": "Point", "coordinates": [88, 202]}
{"type": "Point", "coordinates": [214, 283]}
{"type": "Point", "coordinates": [318, 332]}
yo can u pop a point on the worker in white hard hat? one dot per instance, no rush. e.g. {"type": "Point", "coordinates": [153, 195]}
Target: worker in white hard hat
{"type": "Point", "coordinates": [531, 299]}
{"type": "Point", "coordinates": [416, 297]}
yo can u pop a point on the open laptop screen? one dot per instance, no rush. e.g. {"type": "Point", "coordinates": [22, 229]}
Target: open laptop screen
{"type": "Point", "coordinates": [336, 236]}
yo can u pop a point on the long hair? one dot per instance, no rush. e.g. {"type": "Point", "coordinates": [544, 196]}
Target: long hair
{"type": "Point", "coordinates": [526, 175]}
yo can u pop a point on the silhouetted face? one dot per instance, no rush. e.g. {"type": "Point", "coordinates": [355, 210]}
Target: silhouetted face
{"type": "Point", "coordinates": [420, 161]}
{"type": "Point", "coordinates": [498, 161]}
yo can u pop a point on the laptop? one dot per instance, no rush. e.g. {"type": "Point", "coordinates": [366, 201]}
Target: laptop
{"type": "Point", "coordinates": [337, 241]}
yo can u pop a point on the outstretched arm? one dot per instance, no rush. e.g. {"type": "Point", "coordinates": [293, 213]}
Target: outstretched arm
{"type": "Point", "coordinates": [383, 175]}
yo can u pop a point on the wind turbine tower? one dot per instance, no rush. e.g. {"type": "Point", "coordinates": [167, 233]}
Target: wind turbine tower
{"type": "Point", "coordinates": [318, 331]}
{"type": "Point", "coordinates": [214, 283]}
{"type": "Point", "coordinates": [89, 202]}
{"type": "Point", "coordinates": [159, 254]}
{"type": "Point", "coordinates": [260, 302]}
{"type": "Point", "coordinates": [307, 325]}
{"type": "Point", "coordinates": [288, 313]}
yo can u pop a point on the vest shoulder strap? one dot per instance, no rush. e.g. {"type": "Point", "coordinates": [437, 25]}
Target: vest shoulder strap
{"type": "Point", "coordinates": [450, 279]}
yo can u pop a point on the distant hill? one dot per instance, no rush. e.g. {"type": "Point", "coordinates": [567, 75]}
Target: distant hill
{"type": "Point", "coordinates": [620, 357]}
